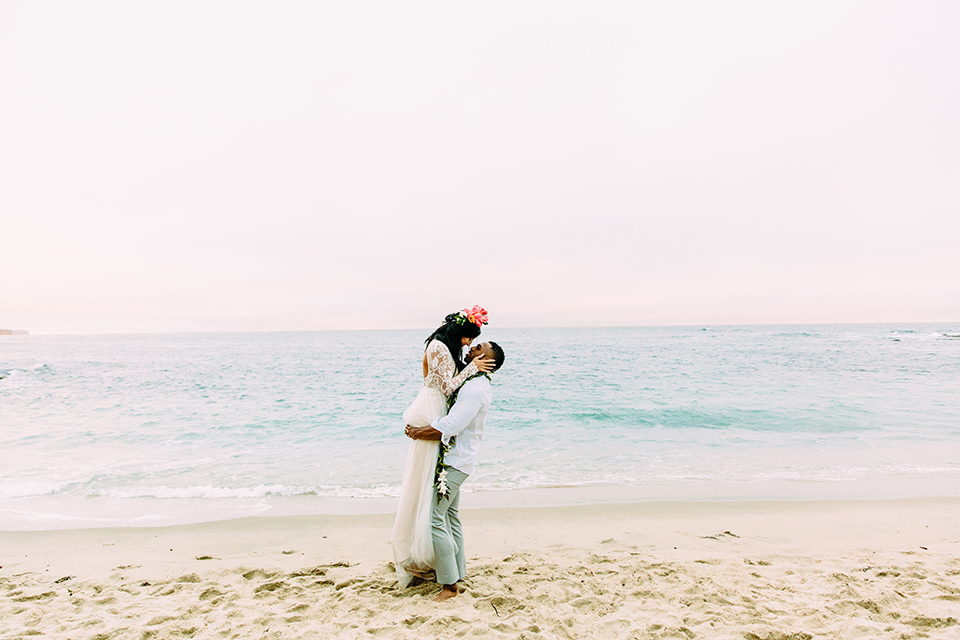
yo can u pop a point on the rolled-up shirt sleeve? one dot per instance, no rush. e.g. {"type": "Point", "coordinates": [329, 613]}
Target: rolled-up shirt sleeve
{"type": "Point", "coordinates": [468, 404]}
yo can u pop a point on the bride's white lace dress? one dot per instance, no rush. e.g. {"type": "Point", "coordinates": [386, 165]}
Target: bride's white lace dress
{"type": "Point", "coordinates": [412, 539]}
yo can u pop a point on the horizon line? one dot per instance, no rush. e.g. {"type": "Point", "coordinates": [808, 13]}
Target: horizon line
{"type": "Point", "coordinates": [533, 327]}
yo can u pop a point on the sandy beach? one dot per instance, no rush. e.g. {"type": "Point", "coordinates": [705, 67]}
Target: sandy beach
{"type": "Point", "coordinates": [773, 571]}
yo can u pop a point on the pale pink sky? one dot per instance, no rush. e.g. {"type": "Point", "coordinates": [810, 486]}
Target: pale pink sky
{"type": "Point", "coordinates": [185, 166]}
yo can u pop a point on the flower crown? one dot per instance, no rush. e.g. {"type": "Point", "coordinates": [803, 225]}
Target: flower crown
{"type": "Point", "coordinates": [477, 315]}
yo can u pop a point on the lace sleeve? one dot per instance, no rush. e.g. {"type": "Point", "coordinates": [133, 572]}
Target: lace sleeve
{"type": "Point", "coordinates": [440, 363]}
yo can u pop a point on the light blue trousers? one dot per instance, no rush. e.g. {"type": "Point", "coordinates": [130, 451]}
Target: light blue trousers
{"type": "Point", "coordinates": [451, 562]}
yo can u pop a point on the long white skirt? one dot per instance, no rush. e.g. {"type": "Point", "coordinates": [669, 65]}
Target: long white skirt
{"type": "Point", "coordinates": [412, 538]}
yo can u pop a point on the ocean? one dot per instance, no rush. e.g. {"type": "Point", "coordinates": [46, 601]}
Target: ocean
{"type": "Point", "coordinates": [149, 430]}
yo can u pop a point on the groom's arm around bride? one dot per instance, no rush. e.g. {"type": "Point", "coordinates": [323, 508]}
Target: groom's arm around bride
{"type": "Point", "coordinates": [465, 421]}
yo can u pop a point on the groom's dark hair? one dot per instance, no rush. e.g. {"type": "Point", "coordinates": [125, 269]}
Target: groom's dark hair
{"type": "Point", "coordinates": [497, 355]}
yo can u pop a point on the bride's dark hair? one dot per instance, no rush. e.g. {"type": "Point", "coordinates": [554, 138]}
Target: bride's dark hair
{"type": "Point", "coordinates": [450, 333]}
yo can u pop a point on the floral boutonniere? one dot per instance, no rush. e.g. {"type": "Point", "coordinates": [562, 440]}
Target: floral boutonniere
{"type": "Point", "coordinates": [440, 477]}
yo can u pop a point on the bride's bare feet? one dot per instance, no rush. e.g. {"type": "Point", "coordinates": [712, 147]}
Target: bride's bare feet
{"type": "Point", "coordinates": [448, 591]}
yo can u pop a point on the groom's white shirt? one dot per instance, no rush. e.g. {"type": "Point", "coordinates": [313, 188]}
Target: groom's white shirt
{"type": "Point", "coordinates": [465, 421]}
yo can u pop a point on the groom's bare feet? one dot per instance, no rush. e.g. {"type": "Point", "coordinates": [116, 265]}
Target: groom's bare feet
{"type": "Point", "coordinates": [448, 591]}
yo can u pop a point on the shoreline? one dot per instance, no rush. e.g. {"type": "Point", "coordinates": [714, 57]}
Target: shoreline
{"type": "Point", "coordinates": [66, 512]}
{"type": "Point", "coordinates": [649, 569]}
{"type": "Point", "coordinates": [755, 514]}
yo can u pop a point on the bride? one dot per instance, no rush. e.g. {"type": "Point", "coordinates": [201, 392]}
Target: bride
{"type": "Point", "coordinates": [443, 373]}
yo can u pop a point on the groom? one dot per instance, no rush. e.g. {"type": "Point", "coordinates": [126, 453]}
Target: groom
{"type": "Point", "coordinates": [465, 421]}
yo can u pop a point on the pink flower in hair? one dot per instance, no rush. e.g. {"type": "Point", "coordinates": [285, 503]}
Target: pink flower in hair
{"type": "Point", "coordinates": [477, 315]}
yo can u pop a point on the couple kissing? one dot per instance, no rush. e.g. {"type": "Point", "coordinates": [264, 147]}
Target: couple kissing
{"type": "Point", "coordinates": [445, 423]}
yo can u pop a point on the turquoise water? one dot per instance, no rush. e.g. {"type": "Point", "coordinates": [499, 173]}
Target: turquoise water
{"type": "Point", "coordinates": [156, 429]}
